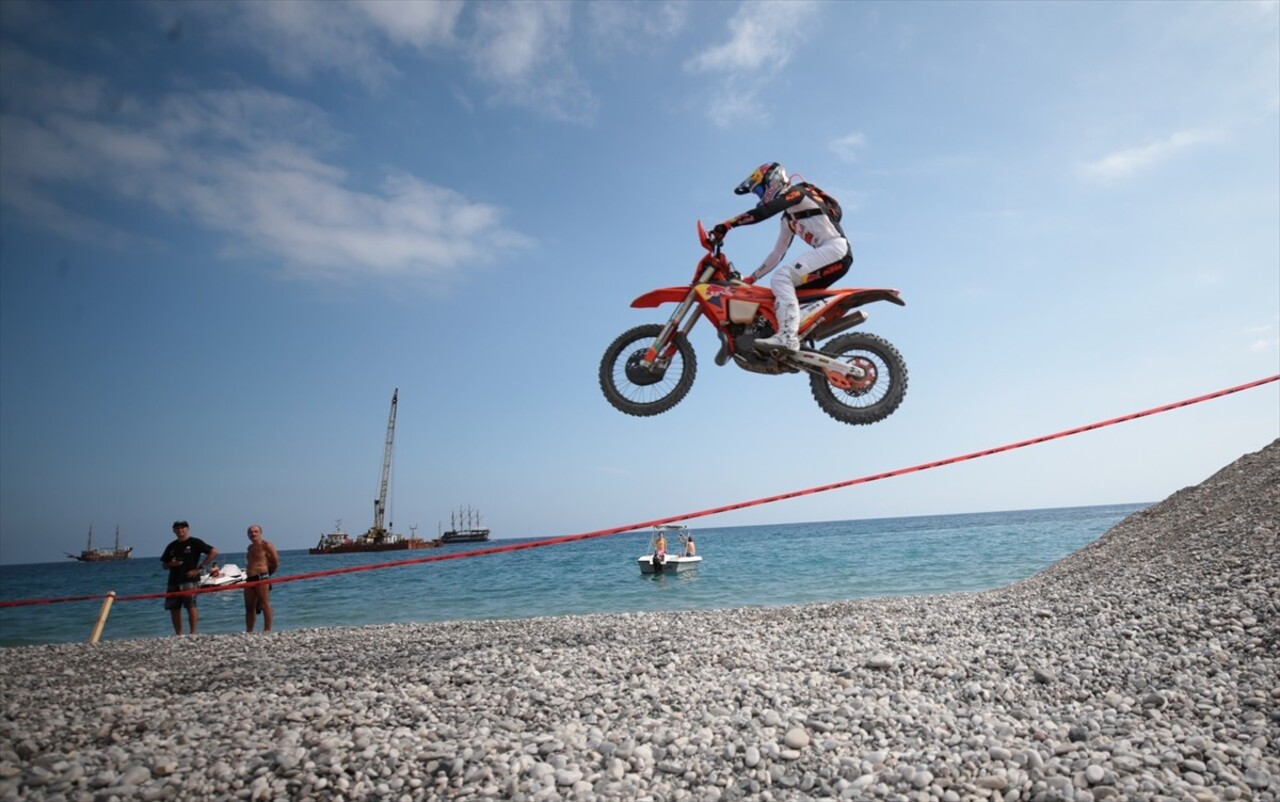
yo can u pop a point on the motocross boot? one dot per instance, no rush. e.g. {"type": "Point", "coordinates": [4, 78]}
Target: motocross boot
{"type": "Point", "coordinates": [787, 338]}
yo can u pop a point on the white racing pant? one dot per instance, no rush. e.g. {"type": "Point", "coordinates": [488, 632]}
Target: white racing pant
{"type": "Point", "coordinates": [787, 277]}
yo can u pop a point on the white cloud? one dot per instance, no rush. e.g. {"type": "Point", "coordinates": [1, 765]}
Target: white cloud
{"type": "Point", "coordinates": [762, 37]}
{"type": "Point", "coordinates": [298, 39]}
{"type": "Point", "coordinates": [247, 163]}
{"type": "Point", "coordinates": [1266, 338]}
{"type": "Point", "coordinates": [423, 24]}
{"type": "Point", "coordinates": [634, 27]}
{"type": "Point", "coordinates": [727, 108]}
{"type": "Point", "coordinates": [29, 82]}
{"type": "Point", "coordinates": [520, 49]}
{"type": "Point", "coordinates": [1124, 163]}
{"type": "Point", "coordinates": [849, 146]}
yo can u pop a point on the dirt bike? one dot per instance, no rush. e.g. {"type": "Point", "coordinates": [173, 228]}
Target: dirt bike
{"type": "Point", "coordinates": [857, 377]}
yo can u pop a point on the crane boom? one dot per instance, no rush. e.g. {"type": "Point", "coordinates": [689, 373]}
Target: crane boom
{"type": "Point", "coordinates": [380, 504]}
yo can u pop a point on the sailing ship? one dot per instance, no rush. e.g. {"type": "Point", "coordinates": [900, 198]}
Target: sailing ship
{"type": "Point", "coordinates": [92, 555]}
{"type": "Point", "coordinates": [464, 527]}
{"type": "Point", "coordinates": [378, 537]}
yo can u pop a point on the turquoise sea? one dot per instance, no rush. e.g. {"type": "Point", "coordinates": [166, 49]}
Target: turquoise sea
{"type": "Point", "coordinates": [742, 566]}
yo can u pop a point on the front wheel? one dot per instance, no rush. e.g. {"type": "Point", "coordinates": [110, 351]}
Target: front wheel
{"type": "Point", "coordinates": [643, 391]}
{"type": "Point", "coordinates": [872, 398]}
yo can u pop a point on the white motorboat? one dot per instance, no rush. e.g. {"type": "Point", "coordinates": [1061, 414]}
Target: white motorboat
{"type": "Point", "coordinates": [229, 574]}
{"type": "Point", "coordinates": [661, 561]}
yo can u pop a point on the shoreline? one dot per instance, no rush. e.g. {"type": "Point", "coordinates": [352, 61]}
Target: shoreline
{"type": "Point", "coordinates": [1144, 666]}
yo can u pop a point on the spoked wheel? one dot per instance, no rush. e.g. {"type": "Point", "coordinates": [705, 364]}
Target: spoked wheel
{"type": "Point", "coordinates": [638, 390]}
{"type": "Point", "coordinates": [868, 399]}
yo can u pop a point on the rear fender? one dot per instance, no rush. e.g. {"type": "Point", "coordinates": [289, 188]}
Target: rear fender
{"type": "Point", "coordinates": [839, 302]}
{"type": "Point", "coordinates": [853, 298]}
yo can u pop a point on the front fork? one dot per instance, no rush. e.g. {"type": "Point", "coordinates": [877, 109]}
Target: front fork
{"type": "Point", "coordinates": [664, 345]}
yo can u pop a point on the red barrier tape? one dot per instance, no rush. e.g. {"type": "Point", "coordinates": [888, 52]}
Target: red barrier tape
{"type": "Point", "coordinates": [555, 541]}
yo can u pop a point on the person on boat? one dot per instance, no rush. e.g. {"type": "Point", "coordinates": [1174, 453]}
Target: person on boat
{"type": "Point", "coordinates": [809, 213]}
{"type": "Point", "coordinates": [660, 549]}
{"type": "Point", "coordinates": [689, 549]}
{"type": "Point", "coordinates": [261, 561]}
{"type": "Point", "coordinates": [213, 570]}
{"type": "Point", "coordinates": [182, 558]}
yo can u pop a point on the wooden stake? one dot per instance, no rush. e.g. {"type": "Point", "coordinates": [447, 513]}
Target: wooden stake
{"type": "Point", "coordinates": [102, 616]}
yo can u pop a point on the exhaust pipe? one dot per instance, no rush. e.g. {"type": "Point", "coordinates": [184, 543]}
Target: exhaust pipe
{"type": "Point", "coordinates": [843, 324]}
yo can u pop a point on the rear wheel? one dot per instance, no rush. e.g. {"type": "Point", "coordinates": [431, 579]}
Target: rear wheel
{"type": "Point", "coordinates": [872, 398]}
{"type": "Point", "coordinates": [643, 391]}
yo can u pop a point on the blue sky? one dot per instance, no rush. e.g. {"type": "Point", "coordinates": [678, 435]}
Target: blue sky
{"type": "Point", "coordinates": [228, 231]}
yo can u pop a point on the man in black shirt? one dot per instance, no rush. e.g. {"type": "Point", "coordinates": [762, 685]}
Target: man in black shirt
{"type": "Point", "coordinates": [182, 558]}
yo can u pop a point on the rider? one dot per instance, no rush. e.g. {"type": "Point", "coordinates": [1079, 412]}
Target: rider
{"type": "Point", "coordinates": [803, 215]}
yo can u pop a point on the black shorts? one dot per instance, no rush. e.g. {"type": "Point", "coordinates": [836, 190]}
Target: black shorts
{"type": "Point", "coordinates": [178, 602]}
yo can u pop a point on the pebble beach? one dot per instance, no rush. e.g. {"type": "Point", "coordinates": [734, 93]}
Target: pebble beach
{"type": "Point", "coordinates": [1144, 667]}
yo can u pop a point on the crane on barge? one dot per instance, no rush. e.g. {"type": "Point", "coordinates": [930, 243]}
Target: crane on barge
{"type": "Point", "coordinates": [378, 533]}
{"type": "Point", "coordinates": [379, 537]}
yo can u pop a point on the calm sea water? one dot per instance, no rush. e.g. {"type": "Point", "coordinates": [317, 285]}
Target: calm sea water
{"type": "Point", "coordinates": [742, 566]}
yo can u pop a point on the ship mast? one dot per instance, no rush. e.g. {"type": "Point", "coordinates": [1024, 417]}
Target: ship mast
{"type": "Point", "coordinates": [380, 504]}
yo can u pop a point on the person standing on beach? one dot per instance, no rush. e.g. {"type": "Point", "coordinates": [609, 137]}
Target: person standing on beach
{"type": "Point", "coordinates": [182, 558]}
{"type": "Point", "coordinates": [261, 560]}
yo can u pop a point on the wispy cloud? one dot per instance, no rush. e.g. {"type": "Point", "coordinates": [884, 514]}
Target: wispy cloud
{"type": "Point", "coordinates": [762, 38]}
{"type": "Point", "coordinates": [422, 24]}
{"type": "Point", "coordinates": [1124, 163]}
{"type": "Point", "coordinates": [849, 147]}
{"type": "Point", "coordinates": [248, 163]}
{"type": "Point", "coordinates": [302, 40]}
{"type": "Point", "coordinates": [1265, 338]}
{"type": "Point", "coordinates": [521, 50]}
{"type": "Point", "coordinates": [632, 27]}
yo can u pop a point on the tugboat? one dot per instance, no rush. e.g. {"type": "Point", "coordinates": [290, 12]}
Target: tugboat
{"type": "Point", "coordinates": [378, 537]}
{"type": "Point", "coordinates": [465, 527]}
{"type": "Point", "coordinates": [92, 555]}
{"type": "Point", "coordinates": [330, 541]}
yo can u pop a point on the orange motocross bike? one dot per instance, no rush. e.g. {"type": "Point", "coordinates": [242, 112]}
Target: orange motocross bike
{"type": "Point", "coordinates": [857, 377]}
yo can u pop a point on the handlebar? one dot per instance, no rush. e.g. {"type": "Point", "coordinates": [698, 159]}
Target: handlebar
{"type": "Point", "coordinates": [709, 240]}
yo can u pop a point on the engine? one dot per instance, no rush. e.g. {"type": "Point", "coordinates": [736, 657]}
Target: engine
{"type": "Point", "coordinates": [745, 354]}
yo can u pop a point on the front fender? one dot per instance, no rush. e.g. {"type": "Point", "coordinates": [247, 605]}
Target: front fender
{"type": "Point", "coordinates": [658, 297]}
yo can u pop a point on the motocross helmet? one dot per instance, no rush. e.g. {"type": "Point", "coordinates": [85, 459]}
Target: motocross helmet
{"type": "Point", "coordinates": [766, 182]}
